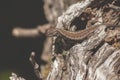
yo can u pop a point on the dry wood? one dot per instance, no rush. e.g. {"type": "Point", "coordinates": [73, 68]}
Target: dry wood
{"type": "Point", "coordinates": [95, 58]}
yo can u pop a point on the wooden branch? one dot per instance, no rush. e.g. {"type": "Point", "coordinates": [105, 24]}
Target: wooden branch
{"type": "Point", "coordinates": [47, 50]}
{"type": "Point", "coordinates": [35, 65]}
{"type": "Point", "coordinates": [15, 77]}
{"type": "Point", "coordinates": [22, 32]}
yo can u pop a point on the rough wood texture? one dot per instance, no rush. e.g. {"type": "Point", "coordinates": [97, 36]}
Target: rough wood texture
{"type": "Point", "coordinates": [92, 59]}
{"type": "Point", "coordinates": [96, 58]}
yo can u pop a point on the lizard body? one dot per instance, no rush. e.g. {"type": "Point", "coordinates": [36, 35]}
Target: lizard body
{"type": "Point", "coordinates": [78, 35]}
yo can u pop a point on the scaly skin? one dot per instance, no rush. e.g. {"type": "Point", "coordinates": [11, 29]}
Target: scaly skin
{"type": "Point", "coordinates": [79, 35]}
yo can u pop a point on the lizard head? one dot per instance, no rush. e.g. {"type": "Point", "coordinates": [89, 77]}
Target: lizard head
{"type": "Point", "coordinates": [51, 32]}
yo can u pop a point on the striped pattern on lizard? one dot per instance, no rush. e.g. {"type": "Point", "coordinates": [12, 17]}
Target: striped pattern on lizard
{"type": "Point", "coordinates": [78, 35]}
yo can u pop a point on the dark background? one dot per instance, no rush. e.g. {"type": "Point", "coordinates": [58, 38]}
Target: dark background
{"type": "Point", "coordinates": [15, 52]}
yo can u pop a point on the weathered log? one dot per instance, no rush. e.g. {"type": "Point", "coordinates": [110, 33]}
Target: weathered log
{"type": "Point", "coordinates": [94, 58]}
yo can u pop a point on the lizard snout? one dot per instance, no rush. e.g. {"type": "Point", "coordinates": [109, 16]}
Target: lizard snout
{"type": "Point", "coordinates": [51, 32]}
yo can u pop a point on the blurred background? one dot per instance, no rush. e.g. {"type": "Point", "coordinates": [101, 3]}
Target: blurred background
{"type": "Point", "coordinates": [15, 52]}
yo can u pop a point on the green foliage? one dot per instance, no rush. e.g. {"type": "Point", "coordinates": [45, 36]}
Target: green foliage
{"type": "Point", "coordinates": [4, 75]}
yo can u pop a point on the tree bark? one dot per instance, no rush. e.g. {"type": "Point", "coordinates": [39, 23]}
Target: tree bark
{"type": "Point", "coordinates": [95, 58]}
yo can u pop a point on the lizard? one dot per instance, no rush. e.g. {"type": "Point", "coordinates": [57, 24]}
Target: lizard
{"type": "Point", "coordinates": [78, 35]}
